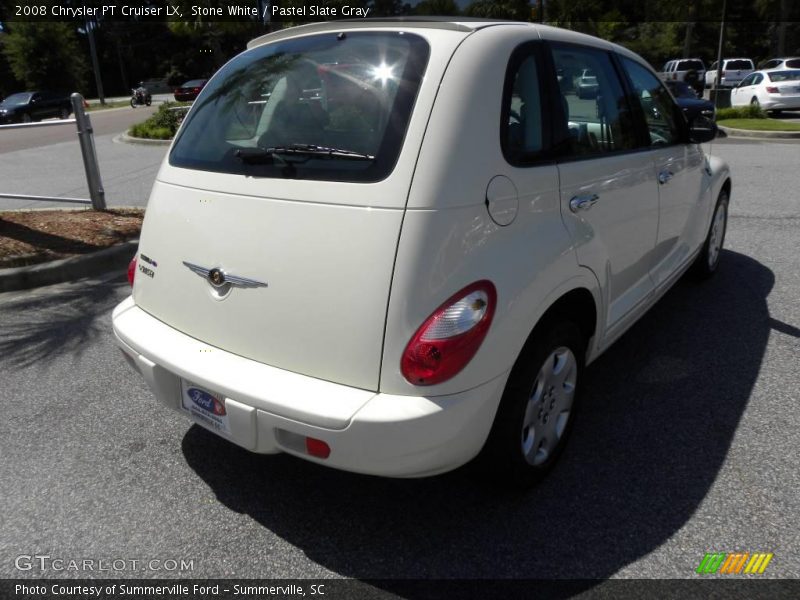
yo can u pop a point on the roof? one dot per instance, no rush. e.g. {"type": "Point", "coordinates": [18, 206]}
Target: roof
{"type": "Point", "coordinates": [463, 24]}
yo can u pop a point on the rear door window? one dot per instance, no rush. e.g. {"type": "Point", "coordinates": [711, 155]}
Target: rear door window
{"type": "Point", "coordinates": [329, 107]}
{"type": "Point", "coordinates": [597, 116]}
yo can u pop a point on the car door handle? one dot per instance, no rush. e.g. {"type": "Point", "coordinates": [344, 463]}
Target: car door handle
{"type": "Point", "coordinates": [665, 176]}
{"type": "Point", "coordinates": [583, 202]}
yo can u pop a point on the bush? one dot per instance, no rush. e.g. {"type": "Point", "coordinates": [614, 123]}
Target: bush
{"type": "Point", "coordinates": [741, 112]}
{"type": "Point", "coordinates": [162, 125]}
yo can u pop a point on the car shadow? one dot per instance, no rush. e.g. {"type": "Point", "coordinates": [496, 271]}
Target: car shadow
{"type": "Point", "coordinates": [660, 411]}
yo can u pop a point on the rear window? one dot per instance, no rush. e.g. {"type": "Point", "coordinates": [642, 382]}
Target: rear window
{"type": "Point", "coordinates": [784, 75]}
{"type": "Point", "coordinates": [738, 65]}
{"type": "Point", "coordinates": [331, 107]}
{"type": "Point", "coordinates": [194, 83]}
{"type": "Point", "coordinates": [793, 64]}
{"type": "Point", "coordinates": [691, 65]}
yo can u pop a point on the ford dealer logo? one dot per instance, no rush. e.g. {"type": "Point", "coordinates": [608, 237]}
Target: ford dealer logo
{"type": "Point", "coordinates": [206, 401]}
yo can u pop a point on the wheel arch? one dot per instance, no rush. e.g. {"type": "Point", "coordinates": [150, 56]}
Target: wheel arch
{"type": "Point", "coordinates": [580, 304]}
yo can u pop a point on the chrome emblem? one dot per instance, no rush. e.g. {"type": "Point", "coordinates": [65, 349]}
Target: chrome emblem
{"type": "Point", "coordinates": [219, 278]}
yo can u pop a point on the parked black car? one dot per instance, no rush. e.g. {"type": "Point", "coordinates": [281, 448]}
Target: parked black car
{"type": "Point", "coordinates": [687, 99]}
{"type": "Point", "coordinates": [25, 107]}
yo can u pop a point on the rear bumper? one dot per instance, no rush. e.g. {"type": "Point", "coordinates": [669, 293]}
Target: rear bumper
{"type": "Point", "coordinates": [778, 102]}
{"type": "Point", "coordinates": [269, 409]}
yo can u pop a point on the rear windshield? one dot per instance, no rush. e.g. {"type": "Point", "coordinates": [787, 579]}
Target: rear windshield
{"type": "Point", "coordinates": [783, 75]}
{"type": "Point", "coordinates": [194, 83]}
{"type": "Point", "coordinates": [793, 64]}
{"type": "Point", "coordinates": [689, 65]}
{"type": "Point", "coordinates": [331, 107]}
{"type": "Point", "coordinates": [738, 65]}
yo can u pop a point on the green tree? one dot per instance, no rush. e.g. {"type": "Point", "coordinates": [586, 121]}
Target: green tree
{"type": "Point", "coordinates": [46, 56]}
{"type": "Point", "coordinates": [515, 10]}
{"type": "Point", "coordinates": [437, 8]}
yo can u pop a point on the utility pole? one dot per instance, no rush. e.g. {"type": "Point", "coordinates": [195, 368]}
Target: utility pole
{"type": "Point", "coordinates": [95, 64]}
{"type": "Point", "coordinates": [719, 53]}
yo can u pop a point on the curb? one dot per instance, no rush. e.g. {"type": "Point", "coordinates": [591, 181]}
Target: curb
{"type": "Point", "coordinates": [748, 133]}
{"type": "Point", "coordinates": [124, 138]}
{"type": "Point", "coordinates": [68, 269]}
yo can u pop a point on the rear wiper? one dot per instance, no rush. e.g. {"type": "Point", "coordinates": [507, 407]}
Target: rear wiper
{"type": "Point", "coordinates": [304, 151]}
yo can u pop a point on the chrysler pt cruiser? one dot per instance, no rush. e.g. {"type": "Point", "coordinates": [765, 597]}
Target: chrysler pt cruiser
{"type": "Point", "coordinates": [393, 246]}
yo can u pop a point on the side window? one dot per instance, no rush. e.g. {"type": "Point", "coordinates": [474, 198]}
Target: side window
{"type": "Point", "coordinates": [749, 80]}
{"type": "Point", "coordinates": [597, 117]}
{"type": "Point", "coordinates": [522, 131]}
{"type": "Point", "coordinates": [757, 79]}
{"type": "Point", "coordinates": [660, 110]}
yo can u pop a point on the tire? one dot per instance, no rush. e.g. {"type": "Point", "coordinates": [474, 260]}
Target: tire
{"type": "Point", "coordinates": [64, 113]}
{"type": "Point", "coordinates": [26, 118]}
{"type": "Point", "coordinates": [148, 102]}
{"type": "Point", "coordinates": [774, 113]}
{"type": "Point", "coordinates": [133, 102]}
{"type": "Point", "coordinates": [754, 102]}
{"type": "Point", "coordinates": [537, 410]}
{"type": "Point", "coordinates": [706, 263]}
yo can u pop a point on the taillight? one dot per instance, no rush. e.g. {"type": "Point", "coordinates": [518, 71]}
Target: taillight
{"type": "Point", "coordinates": [771, 89]}
{"type": "Point", "coordinates": [132, 270]}
{"type": "Point", "coordinates": [451, 336]}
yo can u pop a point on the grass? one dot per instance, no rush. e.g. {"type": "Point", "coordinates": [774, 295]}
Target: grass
{"type": "Point", "coordinates": [758, 124]}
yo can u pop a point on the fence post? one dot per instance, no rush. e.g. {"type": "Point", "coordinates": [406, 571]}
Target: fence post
{"type": "Point", "coordinates": [86, 139]}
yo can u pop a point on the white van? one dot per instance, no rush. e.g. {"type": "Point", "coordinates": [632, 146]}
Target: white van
{"type": "Point", "coordinates": [391, 246]}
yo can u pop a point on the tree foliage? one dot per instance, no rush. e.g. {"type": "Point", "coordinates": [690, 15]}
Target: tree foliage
{"type": "Point", "coordinates": [46, 56]}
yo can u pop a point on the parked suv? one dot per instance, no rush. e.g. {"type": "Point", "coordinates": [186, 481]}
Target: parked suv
{"type": "Point", "coordinates": [390, 247]}
{"type": "Point", "coordinates": [25, 107]}
{"type": "Point", "coordinates": [733, 71]}
{"type": "Point", "coordinates": [690, 70]}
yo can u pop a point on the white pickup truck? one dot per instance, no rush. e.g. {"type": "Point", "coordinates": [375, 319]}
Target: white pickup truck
{"type": "Point", "coordinates": [733, 71]}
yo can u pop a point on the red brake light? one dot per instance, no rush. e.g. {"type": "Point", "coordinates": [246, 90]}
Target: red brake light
{"type": "Point", "coordinates": [772, 89]}
{"type": "Point", "coordinates": [317, 448]}
{"type": "Point", "coordinates": [451, 336]}
{"type": "Point", "coordinates": [132, 270]}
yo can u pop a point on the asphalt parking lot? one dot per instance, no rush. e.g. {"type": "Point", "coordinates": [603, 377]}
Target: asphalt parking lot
{"type": "Point", "coordinates": [687, 444]}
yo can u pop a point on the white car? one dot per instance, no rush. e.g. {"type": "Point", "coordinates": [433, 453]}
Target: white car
{"type": "Point", "coordinates": [733, 71]}
{"type": "Point", "coordinates": [771, 90]}
{"type": "Point", "coordinates": [392, 246]}
{"type": "Point", "coordinates": [791, 62]}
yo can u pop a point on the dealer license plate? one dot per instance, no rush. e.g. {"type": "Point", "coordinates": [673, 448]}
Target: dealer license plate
{"type": "Point", "coordinates": [204, 406]}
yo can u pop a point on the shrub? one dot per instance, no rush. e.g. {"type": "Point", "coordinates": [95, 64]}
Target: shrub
{"type": "Point", "coordinates": [162, 125]}
{"type": "Point", "coordinates": [741, 112]}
